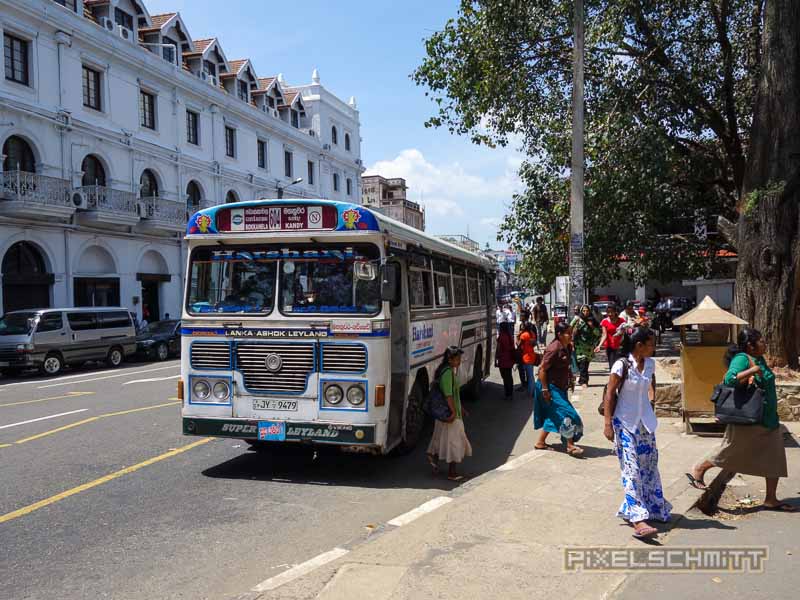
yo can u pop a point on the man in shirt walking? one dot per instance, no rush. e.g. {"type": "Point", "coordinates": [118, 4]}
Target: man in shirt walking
{"type": "Point", "coordinates": [540, 319]}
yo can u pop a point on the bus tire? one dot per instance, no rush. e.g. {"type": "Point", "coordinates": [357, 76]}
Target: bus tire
{"type": "Point", "coordinates": [414, 419]}
{"type": "Point", "coordinates": [475, 385]}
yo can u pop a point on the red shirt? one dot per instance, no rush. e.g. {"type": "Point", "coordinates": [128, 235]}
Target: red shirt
{"type": "Point", "coordinates": [526, 341]}
{"type": "Point", "coordinates": [505, 351]}
{"type": "Point", "coordinates": [612, 341]}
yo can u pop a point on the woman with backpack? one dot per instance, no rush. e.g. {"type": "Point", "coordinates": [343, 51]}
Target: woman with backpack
{"type": "Point", "coordinates": [449, 442]}
{"type": "Point", "coordinates": [552, 410]}
{"type": "Point", "coordinates": [751, 449]}
{"type": "Point", "coordinates": [631, 423]}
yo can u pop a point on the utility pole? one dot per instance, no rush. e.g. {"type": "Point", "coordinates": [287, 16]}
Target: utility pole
{"type": "Point", "coordinates": [577, 294]}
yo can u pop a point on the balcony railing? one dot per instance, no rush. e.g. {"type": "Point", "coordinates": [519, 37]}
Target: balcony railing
{"type": "Point", "coordinates": [22, 186]}
{"type": "Point", "coordinates": [99, 197]}
{"type": "Point", "coordinates": [163, 209]}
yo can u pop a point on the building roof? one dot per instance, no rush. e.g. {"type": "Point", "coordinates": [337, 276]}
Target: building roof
{"type": "Point", "coordinates": [158, 22]}
{"type": "Point", "coordinates": [289, 98]}
{"type": "Point", "coordinates": [264, 83]}
{"type": "Point", "coordinates": [201, 45]}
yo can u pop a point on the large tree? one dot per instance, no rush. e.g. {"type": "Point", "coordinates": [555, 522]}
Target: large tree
{"type": "Point", "coordinates": [766, 234]}
{"type": "Point", "coordinates": [670, 89]}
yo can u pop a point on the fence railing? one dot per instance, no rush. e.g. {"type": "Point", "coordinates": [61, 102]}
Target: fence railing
{"type": "Point", "coordinates": [99, 197]}
{"type": "Point", "coordinates": [163, 209]}
{"type": "Point", "coordinates": [22, 186]}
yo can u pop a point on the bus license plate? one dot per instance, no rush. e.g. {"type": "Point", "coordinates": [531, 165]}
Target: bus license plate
{"type": "Point", "coordinates": [272, 404]}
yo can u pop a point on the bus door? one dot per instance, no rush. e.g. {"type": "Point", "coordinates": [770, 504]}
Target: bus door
{"type": "Point", "coordinates": [399, 356]}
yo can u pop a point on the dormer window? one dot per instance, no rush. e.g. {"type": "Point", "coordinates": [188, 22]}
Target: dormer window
{"type": "Point", "coordinates": [295, 119]}
{"type": "Point", "coordinates": [210, 68]}
{"type": "Point", "coordinates": [271, 101]}
{"type": "Point", "coordinates": [243, 90]}
{"type": "Point", "coordinates": [123, 18]}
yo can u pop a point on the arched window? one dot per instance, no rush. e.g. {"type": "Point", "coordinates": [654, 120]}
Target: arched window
{"type": "Point", "coordinates": [335, 182]}
{"type": "Point", "coordinates": [347, 142]}
{"type": "Point", "coordinates": [26, 282]}
{"type": "Point", "coordinates": [148, 186]}
{"type": "Point", "coordinates": [19, 155]}
{"type": "Point", "coordinates": [231, 197]}
{"type": "Point", "coordinates": [349, 187]}
{"type": "Point", "coordinates": [93, 171]}
{"type": "Point", "coordinates": [194, 197]}
{"type": "Point", "coordinates": [334, 136]}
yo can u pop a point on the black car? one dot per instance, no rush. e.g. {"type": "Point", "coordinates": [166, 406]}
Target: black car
{"type": "Point", "coordinates": [159, 340]}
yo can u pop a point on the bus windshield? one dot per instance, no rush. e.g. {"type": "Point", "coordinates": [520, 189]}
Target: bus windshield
{"type": "Point", "coordinates": [336, 278]}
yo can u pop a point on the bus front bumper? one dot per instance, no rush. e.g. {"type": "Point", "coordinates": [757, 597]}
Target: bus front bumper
{"type": "Point", "coordinates": [281, 431]}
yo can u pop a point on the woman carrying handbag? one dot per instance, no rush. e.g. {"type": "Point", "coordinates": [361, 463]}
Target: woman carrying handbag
{"type": "Point", "coordinates": [751, 449]}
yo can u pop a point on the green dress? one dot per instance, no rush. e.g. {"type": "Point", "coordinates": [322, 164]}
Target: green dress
{"type": "Point", "coordinates": [585, 338]}
{"type": "Point", "coordinates": [765, 381]}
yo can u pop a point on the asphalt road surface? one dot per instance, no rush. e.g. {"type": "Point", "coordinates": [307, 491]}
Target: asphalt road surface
{"type": "Point", "coordinates": [102, 497]}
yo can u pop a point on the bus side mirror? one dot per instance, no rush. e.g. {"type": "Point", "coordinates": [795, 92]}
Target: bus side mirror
{"type": "Point", "coordinates": [390, 282]}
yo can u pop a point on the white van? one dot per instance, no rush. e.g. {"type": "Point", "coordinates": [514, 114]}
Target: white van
{"type": "Point", "coordinates": [49, 338]}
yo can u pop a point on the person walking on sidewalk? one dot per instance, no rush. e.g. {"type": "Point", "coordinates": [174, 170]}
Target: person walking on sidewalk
{"type": "Point", "coordinates": [552, 410]}
{"type": "Point", "coordinates": [505, 359]}
{"type": "Point", "coordinates": [525, 321]}
{"type": "Point", "coordinates": [611, 338]}
{"type": "Point", "coordinates": [586, 333]}
{"type": "Point", "coordinates": [527, 353]}
{"type": "Point", "coordinates": [449, 442]}
{"type": "Point", "coordinates": [540, 319]}
{"type": "Point", "coordinates": [751, 449]}
{"type": "Point", "coordinates": [631, 423]}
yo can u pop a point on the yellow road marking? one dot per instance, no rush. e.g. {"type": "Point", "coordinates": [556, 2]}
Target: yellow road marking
{"type": "Point", "coordinates": [4, 445]}
{"type": "Point", "coordinates": [26, 510]}
{"type": "Point", "coordinates": [89, 420]}
{"type": "Point", "coordinates": [70, 395]}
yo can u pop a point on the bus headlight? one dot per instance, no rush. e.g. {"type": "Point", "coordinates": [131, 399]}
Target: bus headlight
{"type": "Point", "coordinates": [201, 389]}
{"type": "Point", "coordinates": [221, 391]}
{"type": "Point", "coordinates": [333, 394]}
{"type": "Point", "coordinates": [355, 395]}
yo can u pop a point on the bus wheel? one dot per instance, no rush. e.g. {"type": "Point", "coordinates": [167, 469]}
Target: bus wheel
{"type": "Point", "coordinates": [414, 421]}
{"type": "Point", "coordinates": [475, 384]}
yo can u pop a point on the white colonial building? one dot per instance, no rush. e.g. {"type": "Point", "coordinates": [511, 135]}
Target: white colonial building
{"type": "Point", "coordinates": [115, 124]}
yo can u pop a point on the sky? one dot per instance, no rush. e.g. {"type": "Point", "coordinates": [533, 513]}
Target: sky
{"type": "Point", "coordinates": [368, 49]}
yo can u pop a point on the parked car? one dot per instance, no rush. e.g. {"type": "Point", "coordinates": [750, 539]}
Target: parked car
{"type": "Point", "coordinates": [600, 308]}
{"type": "Point", "coordinates": [159, 340]}
{"type": "Point", "coordinates": [48, 339]}
{"type": "Point", "coordinates": [669, 309]}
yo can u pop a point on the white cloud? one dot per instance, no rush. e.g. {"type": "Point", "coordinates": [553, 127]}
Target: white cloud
{"type": "Point", "coordinates": [449, 190]}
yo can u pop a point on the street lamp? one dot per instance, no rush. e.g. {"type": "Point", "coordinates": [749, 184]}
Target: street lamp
{"type": "Point", "coordinates": [281, 188]}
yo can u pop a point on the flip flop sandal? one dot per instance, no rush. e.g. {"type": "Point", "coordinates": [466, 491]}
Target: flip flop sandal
{"type": "Point", "coordinates": [545, 447]}
{"type": "Point", "coordinates": [782, 507]}
{"type": "Point", "coordinates": [456, 477]}
{"type": "Point", "coordinates": [696, 483]}
{"type": "Point", "coordinates": [576, 452]}
{"type": "Point", "coordinates": [432, 463]}
{"type": "Point", "coordinates": [645, 533]}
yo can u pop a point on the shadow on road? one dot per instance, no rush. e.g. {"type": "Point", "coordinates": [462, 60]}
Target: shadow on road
{"type": "Point", "coordinates": [493, 427]}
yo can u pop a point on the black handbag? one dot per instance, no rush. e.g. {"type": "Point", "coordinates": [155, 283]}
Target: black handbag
{"type": "Point", "coordinates": [738, 405]}
{"type": "Point", "coordinates": [436, 404]}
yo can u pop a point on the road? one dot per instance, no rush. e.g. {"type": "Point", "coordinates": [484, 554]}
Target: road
{"type": "Point", "coordinates": [102, 496]}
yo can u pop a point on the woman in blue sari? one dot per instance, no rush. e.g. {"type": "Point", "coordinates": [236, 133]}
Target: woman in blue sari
{"type": "Point", "coordinates": [552, 410]}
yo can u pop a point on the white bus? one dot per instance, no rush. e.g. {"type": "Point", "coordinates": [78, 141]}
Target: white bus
{"type": "Point", "coordinates": [321, 322]}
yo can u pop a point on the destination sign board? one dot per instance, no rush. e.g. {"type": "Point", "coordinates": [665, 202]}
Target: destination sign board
{"type": "Point", "coordinates": [277, 218]}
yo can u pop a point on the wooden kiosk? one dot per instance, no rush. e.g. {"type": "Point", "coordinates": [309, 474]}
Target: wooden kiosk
{"type": "Point", "coordinates": [702, 365]}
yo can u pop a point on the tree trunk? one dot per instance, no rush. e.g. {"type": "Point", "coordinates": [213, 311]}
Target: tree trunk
{"type": "Point", "coordinates": [767, 231]}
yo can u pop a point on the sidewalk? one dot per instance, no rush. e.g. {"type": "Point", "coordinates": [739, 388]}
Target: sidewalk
{"type": "Point", "coordinates": [503, 534]}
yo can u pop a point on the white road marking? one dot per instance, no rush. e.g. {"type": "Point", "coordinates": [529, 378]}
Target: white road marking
{"type": "Point", "coordinates": [72, 412]}
{"type": "Point", "coordinates": [422, 509]}
{"type": "Point", "coordinates": [41, 387]}
{"type": "Point", "coordinates": [151, 379]}
{"type": "Point", "coordinates": [300, 570]}
{"type": "Point", "coordinates": [78, 376]}
{"type": "Point", "coordinates": [521, 460]}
